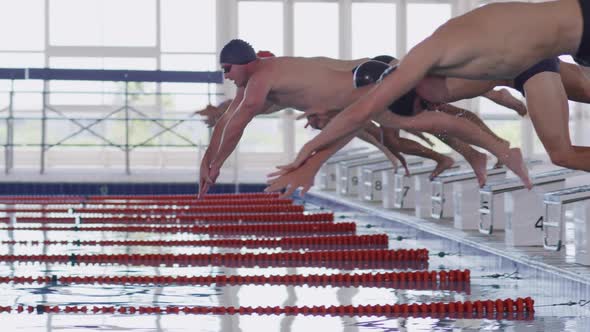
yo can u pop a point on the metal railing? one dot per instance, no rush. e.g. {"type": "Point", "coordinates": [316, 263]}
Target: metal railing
{"type": "Point", "coordinates": [127, 113]}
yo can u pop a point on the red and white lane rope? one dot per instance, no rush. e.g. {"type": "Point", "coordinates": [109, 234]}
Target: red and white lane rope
{"type": "Point", "coordinates": [163, 220]}
{"type": "Point", "coordinates": [271, 229]}
{"type": "Point", "coordinates": [371, 258]}
{"type": "Point", "coordinates": [503, 309]}
{"type": "Point", "coordinates": [163, 197]}
{"type": "Point", "coordinates": [456, 280]}
{"type": "Point", "coordinates": [59, 207]}
{"type": "Point", "coordinates": [305, 242]}
{"type": "Point", "coordinates": [176, 197]}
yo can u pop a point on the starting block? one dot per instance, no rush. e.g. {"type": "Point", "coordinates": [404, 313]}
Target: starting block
{"type": "Point", "coordinates": [413, 192]}
{"type": "Point", "coordinates": [520, 209]}
{"type": "Point", "coordinates": [348, 173]}
{"type": "Point", "coordinates": [389, 182]}
{"type": "Point", "coordinates": [553, 219]}
{"type": "Point", "coordinates": [327, 174]}
{"type": "Point", "coordinates": [372, 189]}
{"type": "Point", "coordinates": [461, 184]}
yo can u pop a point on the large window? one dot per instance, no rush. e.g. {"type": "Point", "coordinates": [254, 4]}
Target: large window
{"type": "Point", "coordinates": [263, 135]}
{"type": "Point", "coordinates": [102, 23]}
{"type": "Point", "coordinates": [316, 29]}
{"type": "Point", "coordinates": [373, 29]}
{"type": "Point", "coordinates": [88, 92]}
{"type": "Point", "coordinates": [28, 97]}
{"type": "Point", "coordinates": [188, 42]}
{"type": "Point", "coordinates": [22, 60]}
{"type": "Point", "coordinates": [509, 130]}
{"type": "Point", "coordinates": [111, 34]}
{"type": "Point", "coordinates": [188, 96]}
{"type": "Point", "coordinates": [22, 25]}
{"type": "Point", "coordinates": [423, 19]}
{"type": "Point", "coordinates": [188, 25]}
{"type": "Point", "coordinates": [266, 34]}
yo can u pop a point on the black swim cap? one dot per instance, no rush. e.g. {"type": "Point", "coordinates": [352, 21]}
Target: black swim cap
{"type": "Point", "coordinates": [237, 52]}
{"type": "Point", "coordinates": [370, 72]}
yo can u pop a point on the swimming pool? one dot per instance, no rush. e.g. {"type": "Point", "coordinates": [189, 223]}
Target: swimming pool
{"type": "Point", "coordinates": [492, 277]}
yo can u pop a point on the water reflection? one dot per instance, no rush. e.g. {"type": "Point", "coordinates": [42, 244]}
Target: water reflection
{"type": "Point", "coordinates": [229, 298]}
{"type": "Point", "coordinates": [291, 300]}
{"type": "Point", "coordinates": [345, 296]}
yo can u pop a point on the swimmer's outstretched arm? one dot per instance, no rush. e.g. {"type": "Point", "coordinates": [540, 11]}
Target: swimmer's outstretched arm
{"type": "Point", "coordinates": [206, 178]}
{"type": "Point", "coordinates": [302, 177]}
{"type": "Point", "coordinates": [248, 103]}
{"type": "Point", "coordinates": [253, 103]}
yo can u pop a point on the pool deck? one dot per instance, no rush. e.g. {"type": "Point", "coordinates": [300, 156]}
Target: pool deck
{"type": "Point", "coordinates": [561, 263]}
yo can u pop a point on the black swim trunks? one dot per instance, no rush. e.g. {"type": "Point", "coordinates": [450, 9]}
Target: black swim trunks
{"type": "Point", "coordinates": [371, 72]}
{"type": "Point", "coordinates": [551, 65]}
{"type": "Point", "coordinates": [404, 106]}
{"type": "Point", "coordinates": [582, 57]}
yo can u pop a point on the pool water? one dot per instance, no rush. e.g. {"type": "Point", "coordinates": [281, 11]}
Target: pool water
{"type": "Point", "coordinates": [559, 303]}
